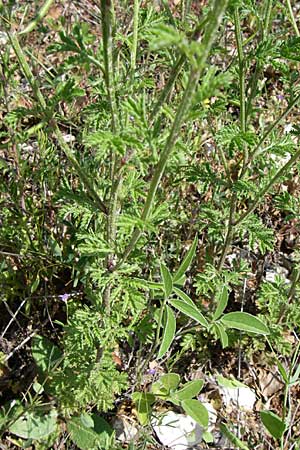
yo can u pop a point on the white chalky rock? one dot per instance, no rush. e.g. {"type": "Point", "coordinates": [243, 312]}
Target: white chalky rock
{"type": "Point", "coordinates": [177, 431]}
{"type": "Point", "coordinates": [244, 397]}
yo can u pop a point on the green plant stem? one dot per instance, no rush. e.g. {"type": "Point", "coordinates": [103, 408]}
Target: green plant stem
{"type": "Point", "coordinates": [27, 71]}
{"type": "Point", "coordinates": [233, 200]}
{"type": "Point", "coordinates": [42, 102]}
{"type": "Point", "coordinates": [107, 14]}
{"type": "Point", "coordinates": [263, 191]}
{"type": "Point", "coordinates": [217, 12]}
{"type": "Point", "coordinates": [108, 57]}
{"type": "Point", "coordinates": [257, 150]}
{"type": "Point", "coordinates": [167, 88]}
{"type": "Point", "coordinates": [230, 230]}
{"type": "Point", "coordinates": [238, 37]}
{"type": "Point", "coordinates": [292, 18]}
{"type": "Point", "coordinates": [259, 65]}
{"type": "Point", "coordinates": [86, 180]}
{"type": "Point", "coordinates": [174, 74]}
{"type": "Point", "coordinates": [136, 7]}
{"type": "Point", "coordinates": [40, 15]}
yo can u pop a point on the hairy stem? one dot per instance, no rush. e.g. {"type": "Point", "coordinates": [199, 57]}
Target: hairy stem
{"type": "Point", "coordinates": [42, 102]}
{"type": "Point", "coordinates": [136, 7]}
{"type": "Point", "coordinates": [208, 38]}
{"type": "Point", "coordinates": [238, 37]}
{"type": "Point", "coordinates": [292, 18]}
{"type": "Point", "coordinates": [268, 186]}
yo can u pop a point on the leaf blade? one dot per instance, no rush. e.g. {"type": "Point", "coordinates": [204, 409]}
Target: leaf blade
{"type": "Point", "coordinates": [244, 322]}
{"type": "Point", "coordinates": [169, 332]}
{"type": "Point", "coordinates": [186, 261]}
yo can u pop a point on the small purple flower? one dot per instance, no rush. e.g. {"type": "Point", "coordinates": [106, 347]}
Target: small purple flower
{"type": "Point", "coordinates": [64, 297]}
{"type": "Point", "coordinates": [280, 97]}
{"type": "Point", "coordinates": [151, 371]}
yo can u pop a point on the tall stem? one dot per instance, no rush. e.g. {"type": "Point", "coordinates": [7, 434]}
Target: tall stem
{"type": "Point", "coordinates": [238, 37]}
{"type": "Point", "coordinates": [83, 176]}
{"type": "Point", "coordinates": [217, 12]}
{"type": "Point", "coordinates": [292, 18]}
{"type": "Point", "coordinates": [268, 186]}
{"type": "Point", "coordinates": [136, 7]}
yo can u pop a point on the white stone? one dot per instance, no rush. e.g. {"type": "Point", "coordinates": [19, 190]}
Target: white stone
{"type": "Point", "coordinates": [177, 431]}
{"type": "Point", "coordinates": [243, 397]}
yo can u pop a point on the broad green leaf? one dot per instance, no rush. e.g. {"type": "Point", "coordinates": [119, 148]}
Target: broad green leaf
{"type": "Point", "coordinates": [46, 355]}
{"type": "Point", "coordinates": [169, 332]}
{"type": "Point", "coordinates": [233, 438]}
{"type": "Point", "coordinates": [220, 330]}
{"type": "Point", "coordinates": [244, 322]}
{"type": "Point", "coordinates": [143, 402]}
{"type": "Point", "coordinates": [190, 390]}
{"type": "Point", "coordinates": [222, 299]}
{"type": "Point", "coordinates": [230, 383]}
{"type": "Point", "coordinates": [170, 380]}
{"type": "Point", "coordinates": [197, 411]}
{"type": "Point", "coordinates": [189, 310]}
{"type": "Point", "coordinates": [87, 420]}
{"type": "Point", "coordinates": [208, 437]}
{"type": "Point", "coordinates": [167, 280]}
{"type": "Point", "coordinates": [273, 423]}
{"type": "Point", "coordinates": [187, 261]}
{"type": "Point", "coordinates": [86, 437]}
{"type": "Point", "coordinates": [35, 424]}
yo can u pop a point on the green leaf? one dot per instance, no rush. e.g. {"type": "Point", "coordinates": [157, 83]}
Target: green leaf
{"type": "Point", "coordinates": [244, 322]}
{"type": "Point", "coordinates": [233, 438]}
{"type": "Point", "coordinates": [197, 411]}
{"type": "Point", "coordinates": [230, 383]}
{"type": "Point", "coordinates": [183, 296]}
{"type": "Point", "coordinates": [189, 310]}
{"type": "Point", "coordinates": [170, 380]}
{"type": "Point", "coordinates": [190, 390]}
{"type": "Point", "coordinates": [187, 261]}
{"type": "Point", "coordinates": [169, 332]}
{"type": "Point", "coordinates": [208, 437]}
{"type": "Point", "coordinates": [273, 423]}
{"type": "Point", "coordinates": [167, 280]}
{"type": "Point", "coordinates": [46, 355]}
{"type": "Point", "coordinates": [220, 330]}
{"type": "Point", "coordinates": [87, 437]}
{"type": "Point", "coordinates": [35, 425]}
{"type": "Point", "coordinates": [143, 402]}
{"type": "Point", "coordinates": [222, 299]}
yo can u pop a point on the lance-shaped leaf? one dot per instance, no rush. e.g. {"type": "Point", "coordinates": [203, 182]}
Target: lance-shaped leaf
{"type": "Point", "coordinates": [222, 300]}
{"type": "Point", "coordinates": [197, 411]}
{"type": "Point", "coordinates": [220, 330]}
{"type": "Point", "coordinates": [190, 390]}
{"type": "Point", "coordinates": [167, 280]}
{"type": "Point", "coordinates": [244, 322]}
{"type": "Point", "coordinates": [190, 310]}
{"type": "Point", "coordinates": [273, 423]}
{"type": "Point", "coordinates": [187, 261]}
{"type": "Point", "coordinates": [169, 332]}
